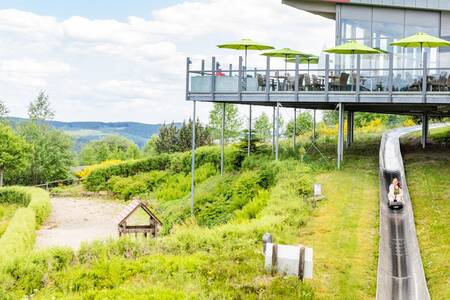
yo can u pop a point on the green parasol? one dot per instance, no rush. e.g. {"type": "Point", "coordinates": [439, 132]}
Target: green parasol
{"type": "Point", "coordinates": [245, 44]}
{"type": "Point", "coordinates": [353, 47]}
{"type": "Point", "coordinates": [308, 59]}
{"type": "Point", "coordinates": [284, 53]}
{"type": "Point", "coordinates": [421, 40]}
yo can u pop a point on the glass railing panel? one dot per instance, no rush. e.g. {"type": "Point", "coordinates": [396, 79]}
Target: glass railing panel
{"type": "Point", "coordinates": [374, 80]}
{"type": "Point", "coordinates": [407, 80]}
{"type": "Point", "coordinates": [438, 80]}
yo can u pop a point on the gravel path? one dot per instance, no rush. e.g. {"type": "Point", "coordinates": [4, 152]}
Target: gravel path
{"type": "Point", "coordinates": [77, 220]}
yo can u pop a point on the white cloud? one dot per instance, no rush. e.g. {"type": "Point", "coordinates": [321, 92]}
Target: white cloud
{"type": "Point", "coordinates": [134, 70]}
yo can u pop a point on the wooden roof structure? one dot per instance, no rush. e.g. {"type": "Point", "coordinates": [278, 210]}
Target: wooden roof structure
{"type": "Point", "coordinates": [122, 218]}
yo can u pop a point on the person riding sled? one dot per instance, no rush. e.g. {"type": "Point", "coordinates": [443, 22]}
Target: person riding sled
{"type": "Point", "coordinates": [395, 191]}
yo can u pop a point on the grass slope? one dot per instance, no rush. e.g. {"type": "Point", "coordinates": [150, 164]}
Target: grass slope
{"type": "Point", "coordinates": [428, 176]}
{"type": "Point", "coordinates": [343, 230]}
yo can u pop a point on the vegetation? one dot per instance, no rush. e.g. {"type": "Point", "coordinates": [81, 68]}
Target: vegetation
{"type": "Point", "coordinates": [343, 230]}
{"type": "Point", "coordinates": [109, 148]}
{"type": "Point", "coordinates": [304, 124]}
{"type": "Point", "coordinates": [18, 239]}
{"type": "Point", "coordinates": [13, 151]}
{"type": "Point", "coordinates": [172, 139]}
{"type": "Point", "coordinates": [263, 128]}
{"type": "Point", "coordinates": [233, 122]}
{"type": "Point", "coordinates": [35, 153]}
{"type": "Point", "coordinates": [3, 110]}
{"type": "Point", "coordinates": [223, 261]}
{"type": "Point", "coordinates": [6, 213]}
{"type": "Point", "coordinates": [51, 157]}
{"type": "Point", "coordinates": [428, 175]}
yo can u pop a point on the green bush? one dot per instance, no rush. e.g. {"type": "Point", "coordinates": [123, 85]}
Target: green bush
{"type": "Point", "coordinates": [13, 195]}
{"type": "Point", "coordinates": [127, 187]}
{"type": "Point", "coordinates": [20, 233]}
{"type": "Point", "coordinates": [254, 207]}
{"type": "Point", "coordinates": [97, 179]}
{"type": "Point", "coordinates": [19, 236]}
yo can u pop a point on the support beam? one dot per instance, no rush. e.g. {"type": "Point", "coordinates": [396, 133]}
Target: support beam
{"type": "Point", "coordinates": [295, 127]}
{"type": "Point", "coordinates": [249, 130]}
{"type": "Point", "coordinates": [277, 133]}
{"type": "Point", "coordinates": [424, 130]}
{"type": "Point", "coordinates": [193, 158]}
{"type": "Point", "coordinates": [340, 142]}
{"type": "Point", "coordinates": [350, 120]}
{"type": "Point", "coordinates": [222, 141]}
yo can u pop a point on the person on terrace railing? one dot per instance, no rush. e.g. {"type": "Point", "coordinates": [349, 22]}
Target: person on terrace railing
{"type": "Point", "coordinates": [395, 191]}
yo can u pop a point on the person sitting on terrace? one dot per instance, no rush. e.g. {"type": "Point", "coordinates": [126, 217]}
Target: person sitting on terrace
{"type": "Point", "coordinates": [395, 191]}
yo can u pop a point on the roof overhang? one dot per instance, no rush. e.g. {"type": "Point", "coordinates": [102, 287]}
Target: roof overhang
{"type": "Point", "coordinates": [325, 8]}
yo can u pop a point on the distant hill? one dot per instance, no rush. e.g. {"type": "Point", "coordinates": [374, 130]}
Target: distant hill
{"type": "Point", "coordinates": [84, 132]}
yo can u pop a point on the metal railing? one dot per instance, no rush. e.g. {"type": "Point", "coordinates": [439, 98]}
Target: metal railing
{"type": "Point", "coordinates": [300, 80]}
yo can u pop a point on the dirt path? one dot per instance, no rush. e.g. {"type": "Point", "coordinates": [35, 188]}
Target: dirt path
{"type": "Point", "coordinates": [77, 220]}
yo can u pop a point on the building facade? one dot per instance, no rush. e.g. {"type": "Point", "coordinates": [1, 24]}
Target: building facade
{"type": "Point", "coordinates": [377, 23]}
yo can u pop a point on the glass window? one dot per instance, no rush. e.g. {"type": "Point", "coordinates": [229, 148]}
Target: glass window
{"type": "Point", "coordinates": [356, 22]}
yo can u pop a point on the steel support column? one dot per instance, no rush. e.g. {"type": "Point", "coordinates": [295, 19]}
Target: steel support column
{"type": "Point", "coordinates": [350, 120]}
{"type": "Point", "coordinates": [222, 141]}
{"type": "Point", "coordinates": [295, 127]}
{"type": "Point", "coordinates": [249, 130]}
{"type": "Point", "coordinates": [340, 142]}
{"type": "Point", "coordinates": [273, 131]}
{"type": "Point", "coordinates": [314, 125]}
{"type": "Point", "coordinates": [193, 158]}
{"type": "Point", "coordinates": [424, 130]}
{"type": "Point", "coordinates": [277, 134]}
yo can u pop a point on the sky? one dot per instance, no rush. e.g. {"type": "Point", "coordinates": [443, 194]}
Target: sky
{"type": "Point", "coordinates": [103, 60]}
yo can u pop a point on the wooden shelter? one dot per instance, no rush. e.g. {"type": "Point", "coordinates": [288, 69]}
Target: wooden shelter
{"type": "Point", "coordinates": [153, 226]}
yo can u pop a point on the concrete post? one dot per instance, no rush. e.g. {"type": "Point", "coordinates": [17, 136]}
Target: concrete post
{"type": "Point", "coordinates": [193, 158]}
{"type": "Point", "coordinates": [222, 141]}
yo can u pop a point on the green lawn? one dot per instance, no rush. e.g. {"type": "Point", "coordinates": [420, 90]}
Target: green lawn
{"type": "Point", "coordinates": [6, 213]}
{"type": "Point", "coordinates": [428, 176]}
{"type": "Point", "coordinates": [343, 230]}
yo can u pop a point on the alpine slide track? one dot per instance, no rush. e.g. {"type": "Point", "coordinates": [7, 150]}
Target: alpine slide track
{"type": "Point", "coordinates": [400, 271]}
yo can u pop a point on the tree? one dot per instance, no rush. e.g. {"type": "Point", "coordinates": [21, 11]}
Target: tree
{"type": "Point", "coordinates": [203, 136]}
{"type": "Point", "coordinates": [14, 151]}
{"type": "Point", "coordinates": [112, 147]}
{"type": "Point", "coordinates": [3, 110]}
{"type": "Point", "coordinates": [304, 124]}
{"type": "Point", "coordinates": [39, 109]}
{"type": "Point", "coordinates": [150, 146]}
{"type": "Point", "coordinates": [172, 139]}
{"type": "Point", "coordinates": [330, 117]}
{"type": "Point", "coordinates": [167, 141]}
{"type": "Point", "coordinates": [232, 121]}
{"type": "Point", "coordinates": [263, 127]}
{"type": "Point", "coordinates": [51, 157]}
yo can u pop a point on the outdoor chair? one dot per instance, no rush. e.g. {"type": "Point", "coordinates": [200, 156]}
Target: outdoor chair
{"type": "Point", "coordinates": [317, 86]}
{"type": "Point", "coordinates": [301, 77]}
{"type": "Point", "coordinates": [308, 85]}
{"type": "Point", "coordinates": [261, 82]}
{"type": "Point", "coordinates": [341, 83]}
